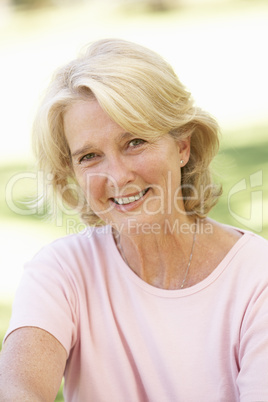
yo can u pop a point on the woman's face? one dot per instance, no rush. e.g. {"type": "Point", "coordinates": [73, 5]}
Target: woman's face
{"type": "Point", "coordinates": [129, 182]}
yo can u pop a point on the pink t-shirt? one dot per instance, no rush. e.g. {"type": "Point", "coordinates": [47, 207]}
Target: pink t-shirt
{"type": "Point", "coordinates": [128, 341]}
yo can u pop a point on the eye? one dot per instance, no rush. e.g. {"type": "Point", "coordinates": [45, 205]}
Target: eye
{"type": "Point", "coordinates": [136, 142]}
{"type": "Point", "coordinates": [88, 157]}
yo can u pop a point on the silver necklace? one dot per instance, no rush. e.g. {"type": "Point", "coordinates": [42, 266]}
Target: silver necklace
{"type": "Point", "coordinates": [120, 248]}
{"type": "Point", "coordinates": [190, 259]}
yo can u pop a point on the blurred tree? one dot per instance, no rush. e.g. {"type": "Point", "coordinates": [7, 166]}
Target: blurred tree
{"type": "Point", "coordinates": [149, 5]}
{"type": "Point", "coordinates": [31, 3]}
{"type": "Point", "coordinates": [161, 5]}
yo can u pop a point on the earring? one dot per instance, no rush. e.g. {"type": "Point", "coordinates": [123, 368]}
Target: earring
{"type": "Point", "coordinates": [182, 161]}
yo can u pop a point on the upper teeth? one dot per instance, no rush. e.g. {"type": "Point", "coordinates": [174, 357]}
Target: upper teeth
{"type": "Point", "coordinates": [127, 200]}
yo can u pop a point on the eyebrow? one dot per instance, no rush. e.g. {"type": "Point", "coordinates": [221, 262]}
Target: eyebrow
{"type": "Point", "coordinates": [88, 145]}
{"type": "Point", "coordinates": [82, 150]}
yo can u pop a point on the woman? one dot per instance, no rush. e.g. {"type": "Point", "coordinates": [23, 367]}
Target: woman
{"type": "Point", "coordinates": [154, 302]}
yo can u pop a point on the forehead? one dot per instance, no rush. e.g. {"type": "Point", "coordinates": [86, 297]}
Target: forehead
{"type": "Point", "coordinates": [85, 119]}
{"type": "Point", "coordinates": [84, 110]}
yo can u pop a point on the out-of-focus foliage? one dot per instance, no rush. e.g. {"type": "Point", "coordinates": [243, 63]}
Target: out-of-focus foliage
{"type": "Point", "coordinates": [33, 4]}
{"type": "Point", "coordinates": [158, 5]}
{"type": "Point", "coordinates": [151, 5]}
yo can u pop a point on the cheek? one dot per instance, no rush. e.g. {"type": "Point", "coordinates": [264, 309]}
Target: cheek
{"type": "Point", "coordinates": [93, 186]}
{"type": "Point", "coordinates": [149, 168]}
{"type": "Point", "coordinates": [160, 171]}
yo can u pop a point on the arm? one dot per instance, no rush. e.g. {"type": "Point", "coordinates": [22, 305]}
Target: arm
{"type": "Point", "coordinates": [32, 363]}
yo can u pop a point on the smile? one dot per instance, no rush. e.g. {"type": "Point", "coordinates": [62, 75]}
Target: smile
{"type": "Point", "coordinates": [128, 200]}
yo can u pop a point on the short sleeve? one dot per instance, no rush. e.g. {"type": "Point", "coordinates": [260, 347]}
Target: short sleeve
{"type": "Point", "coordinates": [46, 299]}
{"type": "Point", "coordinates": [253, 376]}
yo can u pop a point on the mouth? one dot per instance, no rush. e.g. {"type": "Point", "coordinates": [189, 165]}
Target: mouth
{"type": "Point", "coordinates": [130, 199]}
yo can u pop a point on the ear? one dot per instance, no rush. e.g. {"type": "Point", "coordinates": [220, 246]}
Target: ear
{"type": "Point", "coordinates": [184, 147]}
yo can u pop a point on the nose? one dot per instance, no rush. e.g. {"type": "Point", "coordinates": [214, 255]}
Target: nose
{"type": "Point", "coordinates": [120, 171]}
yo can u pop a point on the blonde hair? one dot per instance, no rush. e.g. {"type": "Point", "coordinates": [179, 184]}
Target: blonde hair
{"type": "Point", "coordinates": [141, 93]}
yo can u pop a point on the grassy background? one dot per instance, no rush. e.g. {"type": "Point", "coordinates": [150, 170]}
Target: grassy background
{"type": "Point", "coordinates": [33, 43]}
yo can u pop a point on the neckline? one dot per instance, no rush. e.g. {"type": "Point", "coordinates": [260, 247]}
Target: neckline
{"type": "Point", "coordinates": [126, 270]}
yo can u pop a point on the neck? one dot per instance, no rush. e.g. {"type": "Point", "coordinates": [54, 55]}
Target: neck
{"type": "Point", "coordinates": [161, 258]}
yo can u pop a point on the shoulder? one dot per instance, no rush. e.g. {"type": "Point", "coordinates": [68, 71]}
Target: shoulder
{"type": "Point", "coordinates": [253, 251]}
{"type": "Point", "coordinates": [248, 261]}
{"type": "Point", "coordinates": [74, 245]}
{"type": "Point", "coordinates": [55, 283]}
{"type": "Point", "coordinates": [75, 254]}
{"type": "Point", "coordinates": [231, 238]}
{"type": "Point", "coordinates": [240, 253]}
{"type": "Point", "coordinates": [251, 246]}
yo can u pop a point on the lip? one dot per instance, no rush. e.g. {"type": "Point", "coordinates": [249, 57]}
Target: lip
{"type": "Point", "coordinates": [132, 204]}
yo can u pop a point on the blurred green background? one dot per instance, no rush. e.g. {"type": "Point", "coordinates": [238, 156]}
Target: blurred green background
{"type": "Point", "coordinates": [218, 49]}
